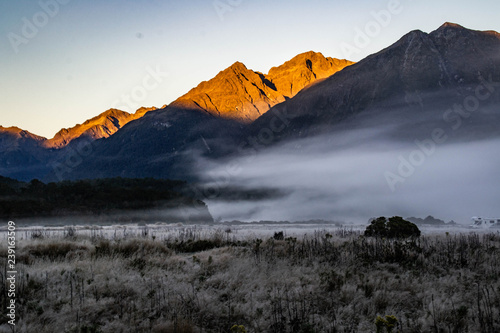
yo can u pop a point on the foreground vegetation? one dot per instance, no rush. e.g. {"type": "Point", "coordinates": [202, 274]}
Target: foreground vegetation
{"type": "Point", "coordinates": [322, 282]}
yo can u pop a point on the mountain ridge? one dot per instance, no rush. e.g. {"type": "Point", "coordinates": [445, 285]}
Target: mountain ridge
{"type": "Point", "coordinates": [263, 96]}
{"type": "Point", "coordinates": [412, 85]}
{"type": "Point", "coordinates": [98, 127]}
{"type": "Point", "coordinates": [450, 61]}
{"type": "Point", "coordinates": [241, 94]}
{"type": "Point", "coordinates": [409, 84]}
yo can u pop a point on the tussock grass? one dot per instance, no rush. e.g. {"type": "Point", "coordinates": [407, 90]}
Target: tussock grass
{"type": "Point", "coordinates": [209, 282]}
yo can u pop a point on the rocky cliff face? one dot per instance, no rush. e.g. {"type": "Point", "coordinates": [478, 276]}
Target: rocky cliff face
{"type": "Point", "coordinates": [241, 94]}
{"type": "Point", "coordinates": [302, 70]}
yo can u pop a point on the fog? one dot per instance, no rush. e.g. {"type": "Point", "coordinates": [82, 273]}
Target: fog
{"type": "Point", "coordinates": [355, 175]}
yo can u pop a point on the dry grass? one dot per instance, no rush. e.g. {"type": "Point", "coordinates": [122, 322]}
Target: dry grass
{"type": "Point", "coordinates": [318, 283]}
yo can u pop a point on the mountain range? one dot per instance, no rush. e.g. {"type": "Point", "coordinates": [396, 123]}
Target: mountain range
{"type": "Point", "coordinates": [409, 86]}
{"type": "Point", "coordinates": [422, 82]}
{"type": "Point", "coordinates": [101, 126]}
{"type": "Point", "coordinates": [236, 93]}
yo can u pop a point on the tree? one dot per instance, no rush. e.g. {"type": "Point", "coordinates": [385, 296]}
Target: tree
{"type": "Point", "coordinates": [400, 228]}
{"type": "Point", "coordinates": [377, 228]}
{"type": "Point", "coordinates": [395, 227]}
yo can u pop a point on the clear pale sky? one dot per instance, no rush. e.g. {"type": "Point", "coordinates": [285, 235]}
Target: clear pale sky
{"type": "Point", "coordinates": [84, 55]}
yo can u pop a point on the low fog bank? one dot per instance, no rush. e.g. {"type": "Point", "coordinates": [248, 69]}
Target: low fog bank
{"type": "Point", "coordinates": [355, 175]}
{"type": "Point", "coordinates": [183, 214]}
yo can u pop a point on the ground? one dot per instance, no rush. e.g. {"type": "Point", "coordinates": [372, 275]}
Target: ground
{"type": "Point", "coordinates": [214, 279]}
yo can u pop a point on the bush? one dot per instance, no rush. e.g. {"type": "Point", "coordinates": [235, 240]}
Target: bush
{"type": "Point", "coordinates": [55, 250]}
{"type": "Point", "coordinates": [279, 235]}
{"type": "Point", "coordinates": [396, 227]}
{"type": "Point", "coordinates": [389, 322]}
{"type": "Point", "coordinates": [195, 245]}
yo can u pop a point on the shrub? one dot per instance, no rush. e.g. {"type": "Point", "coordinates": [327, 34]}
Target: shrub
{"type": "Point", "coordinates": [396, 227]}
{"type": "Point", "coordinates": [54, 250]}
{"type": "Point", "coordinates": [238, 329]}
{"type": "Point", "coordinates": [195, 246]}
{"type": "Point", "coordinates": [389, 322]}
{"type": "Point", "coordinates": [279, 235]}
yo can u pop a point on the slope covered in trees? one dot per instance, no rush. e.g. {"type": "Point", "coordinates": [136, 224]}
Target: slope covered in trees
{"type": "Point", "coordinates": [94, 197]}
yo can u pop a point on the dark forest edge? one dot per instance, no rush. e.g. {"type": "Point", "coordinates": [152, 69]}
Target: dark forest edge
{"type": "Point", "coordinates": [100, 197]}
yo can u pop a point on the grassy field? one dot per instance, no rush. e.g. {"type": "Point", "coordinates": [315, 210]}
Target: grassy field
{"type": "Point", "coordinates": [323, 281]}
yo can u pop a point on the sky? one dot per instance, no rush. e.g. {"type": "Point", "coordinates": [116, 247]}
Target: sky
{"type": "Point", "coordinates": [65, 61]}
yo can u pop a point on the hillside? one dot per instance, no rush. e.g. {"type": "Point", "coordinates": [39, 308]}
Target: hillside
{"type": "Point", "coordinates": [409, 85]}
{"type": "Point", "coordinates": [102, 197]}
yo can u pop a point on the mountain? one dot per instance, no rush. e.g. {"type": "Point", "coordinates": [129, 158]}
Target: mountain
{"type": "Point", "coordinates": [236, 93]}
{"type": "Point", "coordinates": [101, 126]}
{"type": "Point", "coordinates": [206, 120]}
{"type": "Point", "coordinates": [20, 152]}
{"type": "Point", "coordinates": [11, 138]}
{"type": "Point", "coordinates": [409, 86]}
{"type": "Point", "coordinates": [302, 70]}
{"type": "Point", "coordinates": [161, 144]}
{"type": "Point", "coordinates": [429, 220]}
{"type": "Point", "coordinates": [25, 156]}
{"type": "Point", "coordinates": [448, 79]}
{"type": "Point", "coordinates": [241, 94]}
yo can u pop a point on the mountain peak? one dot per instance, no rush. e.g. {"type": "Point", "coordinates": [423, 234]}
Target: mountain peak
{"type": "Point", "coordinates": [143, 110]}
{"type": "Point", "coordinates": [308, 54]}
{"type": "Point", "coordinates": [453, 29]}
{"type": "Point", "coordinates": [19, 132]}
{"type": "Point", "coordinates": [450, 30]}
{"type": "Point", "coordinates": [11, 138]}
{"type": "Point", "coordinates": [100, 126]}
{"type": "Point", "coordinates": [12, 129]}
{"type": "Point", "coordinates": [303, 58]}
{"type": "Point", "coordinates": [302, 70]}
{"type": "Point", "coordinates": [238, 66]}
{"type": "Point", "coordinates": [451, 25]}
{"type": "Point", "coordinates": [242, 94]}
{"type": "Point", "coordinates": [448, 61]}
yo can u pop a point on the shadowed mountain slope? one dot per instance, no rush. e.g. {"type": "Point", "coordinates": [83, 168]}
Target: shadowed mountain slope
{"type": "Point", "coordinates": [409, 86]}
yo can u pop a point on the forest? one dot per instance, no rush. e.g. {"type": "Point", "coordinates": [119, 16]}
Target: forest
{"type": "Point", "coordinates": [95, 197]}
